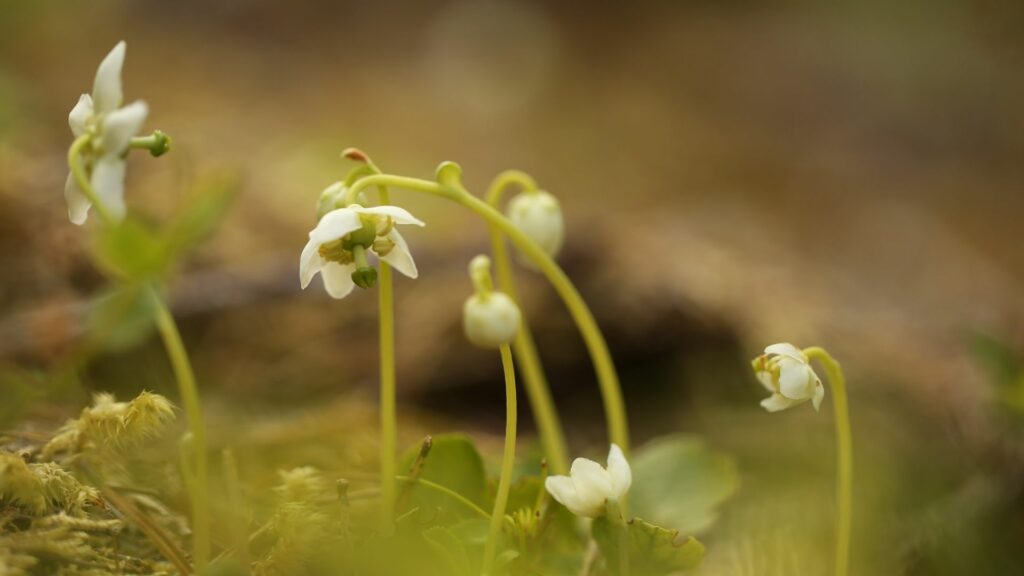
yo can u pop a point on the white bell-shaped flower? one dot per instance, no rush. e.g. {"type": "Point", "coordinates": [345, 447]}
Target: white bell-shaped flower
{"type": "Point", "coordinates": [490, 320]}
{"type": "Point", "coordinates": [589, 486]}
{"type": "Point", "coordinates": [337, 241]}
{"type": "Point", "coordinates": [786, 372]}
{"type": "Point", "coordinates": [539, 215]}
{"type": "Point", "coordinates": [111, 128]}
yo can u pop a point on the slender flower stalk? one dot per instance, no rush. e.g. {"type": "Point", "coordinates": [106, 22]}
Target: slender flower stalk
{"type": "Point", "coordinates": [491, 321]}
{"type": "Point", "coordinates": [388, 387]}
{"type": "Point", "coordinates": [607, 377]}
{"type": "Point", "coordinates": [549, 426]}
{"type": "Point", "coordinates": [189, 392]}
{"type": "Point", "coordinates": [844, 455]}
{"type": "Point", "coordinates": [507, 461]}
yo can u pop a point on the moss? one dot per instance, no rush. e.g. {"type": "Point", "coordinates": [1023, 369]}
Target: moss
{"type": "Point", "coordinates": [109, 424]}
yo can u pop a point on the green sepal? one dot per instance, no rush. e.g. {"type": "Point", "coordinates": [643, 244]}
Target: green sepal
{"type": "Point", "coordinates": [653, 550]}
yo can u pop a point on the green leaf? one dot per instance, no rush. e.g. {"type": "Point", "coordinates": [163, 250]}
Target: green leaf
{"type": "Point", "coordinates": [120, 318]}
{"type": "Point", "coordinates": [453, 462]}
{"type": "Point", "coordinates": [450, 549]}
{"type": "Point", "coordinates": [653, 550]}
{"type": "Point", "coordinates": [679, 482]}
{"type": "Point", "coordinates": [130, 250]}
{"type": "Point", "coordinates": [203, 211]}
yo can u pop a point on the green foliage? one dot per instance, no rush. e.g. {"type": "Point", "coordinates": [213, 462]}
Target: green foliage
{"type": "Point", "coordinates": [679, 482]}
{"type": "Point", "coordinates": [1005, 369]}
{"type": "Point", "coordinates": [653, 550]}
{"type": "Point", "coordinates": [453, 462]}
{"type": "Point", "coordinates": [136, 250]}
{"type": "Point", "coordinates": [121, 317]}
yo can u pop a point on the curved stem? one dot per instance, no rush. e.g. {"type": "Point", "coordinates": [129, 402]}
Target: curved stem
{"type": "Point", "coordinates": [189, 393]}
{"type": "Point", "coordinates": [82, 179]}
{"type": "Point", "coordinates": [549, 426]}
{"type": "Point", "coordinates": [607, 378]}
{"type": "Point", "coordinates": [507, 461]}
{"type": "Point", "coordinates": [447, 492]}
{"type": "Point", "coordinates": [844, 450]}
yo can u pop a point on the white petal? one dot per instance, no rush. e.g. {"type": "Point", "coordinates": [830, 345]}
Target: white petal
{"type": "Point", "coordinates": [120, 126]}
{"type": "Point", "coordinates": [310, 262]}
{"type": "Point", "coordinates": [78, 204]}
{"type": "Point", "coordinates": [108, 182]}
{"type": "Point", "coordinates": [80, 114]}
{"type": "Point", "coordinates": [334, 225]}
{"type": "Point", "coordinates": [593, 484]}
{"type": "Point", "coordinates": [563, 490]}
{"type": "Point", "coordinates": [766, 380]}
{"type": "Point", "coordinates": [399, 258]}
{"type": "Point", "coordinates": [796, 380]}
{"type": "Point", "coordinates": [399, 215]}
{"type": "Point", "coordinates": [786, 349]}
{"type": "Point", "coordinates": [819, 395]}
{"type": "Point", "coordinates": [338, 279]}
{"type": "Point", "coordinates": [777, 403]}
{"type": "Point", "coordinates": [619, 471]}
{"type": "Point", "coordinates": [106, 89]}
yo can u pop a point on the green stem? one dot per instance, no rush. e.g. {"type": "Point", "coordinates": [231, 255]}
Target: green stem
{"type": "Point", "coordinates": [447, 492]}
{"type": "Point", "coordinates": [549, 426]}
{"type": "Point", "coordinates": [388, 392]}
{"type": "Point", "coordinates": [844, 448]}
{"type": "Point", "coordinates": [82, 179]}
{"type": "Point", "coordinates": [507, 461]}
{"type": "Point", "coordinates": [194, 412]}
{"type": "Point", "coordinates": [388, 385]}
{"type": "Point", "coordinates": [607, 378]}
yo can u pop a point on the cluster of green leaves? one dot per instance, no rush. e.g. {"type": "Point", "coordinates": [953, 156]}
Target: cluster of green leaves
{"type": "Point", "coordinates": [141, 255]}
{"type": "Point", "coordinates": [319, 527]}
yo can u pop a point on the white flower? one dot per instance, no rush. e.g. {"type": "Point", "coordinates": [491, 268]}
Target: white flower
{"type": "Point", "coordinates": [112, 128]}
{"type": "Point", "coordinates": [589, 487]}
{"type": "Point", "coordinates": [333, 244]}
{"type": "Point", "coordinates": [539, 216]}
{"type": "Point", "coordinates": [490, 319]}
{"type": "Point", "coordinates": [785, 371]}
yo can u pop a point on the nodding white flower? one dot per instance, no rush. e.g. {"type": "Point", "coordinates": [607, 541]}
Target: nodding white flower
{"type": "Point", "coordinates": [589, 487]}
{"type": "Point", "coordinates": [490, 319]}
{"type": "Point", "coordinates": [785, 371]}
{"type": "Point", "coordinates": [111, 128]}
{"type": "Point", "coordinates": [539, 215]}
{"type": "Point", "coordinates": [338, 244]}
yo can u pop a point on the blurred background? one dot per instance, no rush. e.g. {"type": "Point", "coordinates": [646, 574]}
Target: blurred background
{"type": "Point", "coordinates": [734, 173]}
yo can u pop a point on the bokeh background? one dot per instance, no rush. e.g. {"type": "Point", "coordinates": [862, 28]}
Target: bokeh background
{"type": "Point", "coordinates": [735, 173]}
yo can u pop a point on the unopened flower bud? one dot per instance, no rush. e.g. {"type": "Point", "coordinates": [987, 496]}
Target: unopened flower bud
{"type": "Point", "coordinates": [490, 320]}
{"type": "Point", "coordinates": [539, 215]}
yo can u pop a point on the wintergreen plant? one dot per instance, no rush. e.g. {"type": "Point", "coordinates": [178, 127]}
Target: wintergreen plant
{"type": "Point", "coordinates": [491, 320]}
{"type": "Point", "coordinates": [104, 133]}
{"type": "Point", "coordinates": [786, 372]}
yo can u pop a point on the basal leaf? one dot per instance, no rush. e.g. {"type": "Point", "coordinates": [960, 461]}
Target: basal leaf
{"type": "Point", "coordinates": [653, 550]}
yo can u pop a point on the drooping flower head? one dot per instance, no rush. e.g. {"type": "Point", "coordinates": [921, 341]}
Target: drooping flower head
{"type": "Point", "coordinates": [490, 318]}
{"type": "Point", "coordinates": [110, 127]}
{"type": "Point", "coordinates": [338, 245]}
{"type": "Point", "coordinates": [539, 215]}
{"type": "Point", "coordinates": [786, 372]}
{"type": "Point", "coordinates": [589, 486]}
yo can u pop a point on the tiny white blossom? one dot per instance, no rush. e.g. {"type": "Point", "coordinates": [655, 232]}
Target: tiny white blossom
{"type": "Point", "coordinates": [786, 372]}
{"type": "Point", "coordinates": [589, 486]}
{"type": "Point", "coordinates": [111, 127]}
{"type": "Point", "coordinates": [331, 243]}
{"type": "Point", "coordinates": [539, 215]}
{"type": "Point", "coordinates": [490, 320]}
